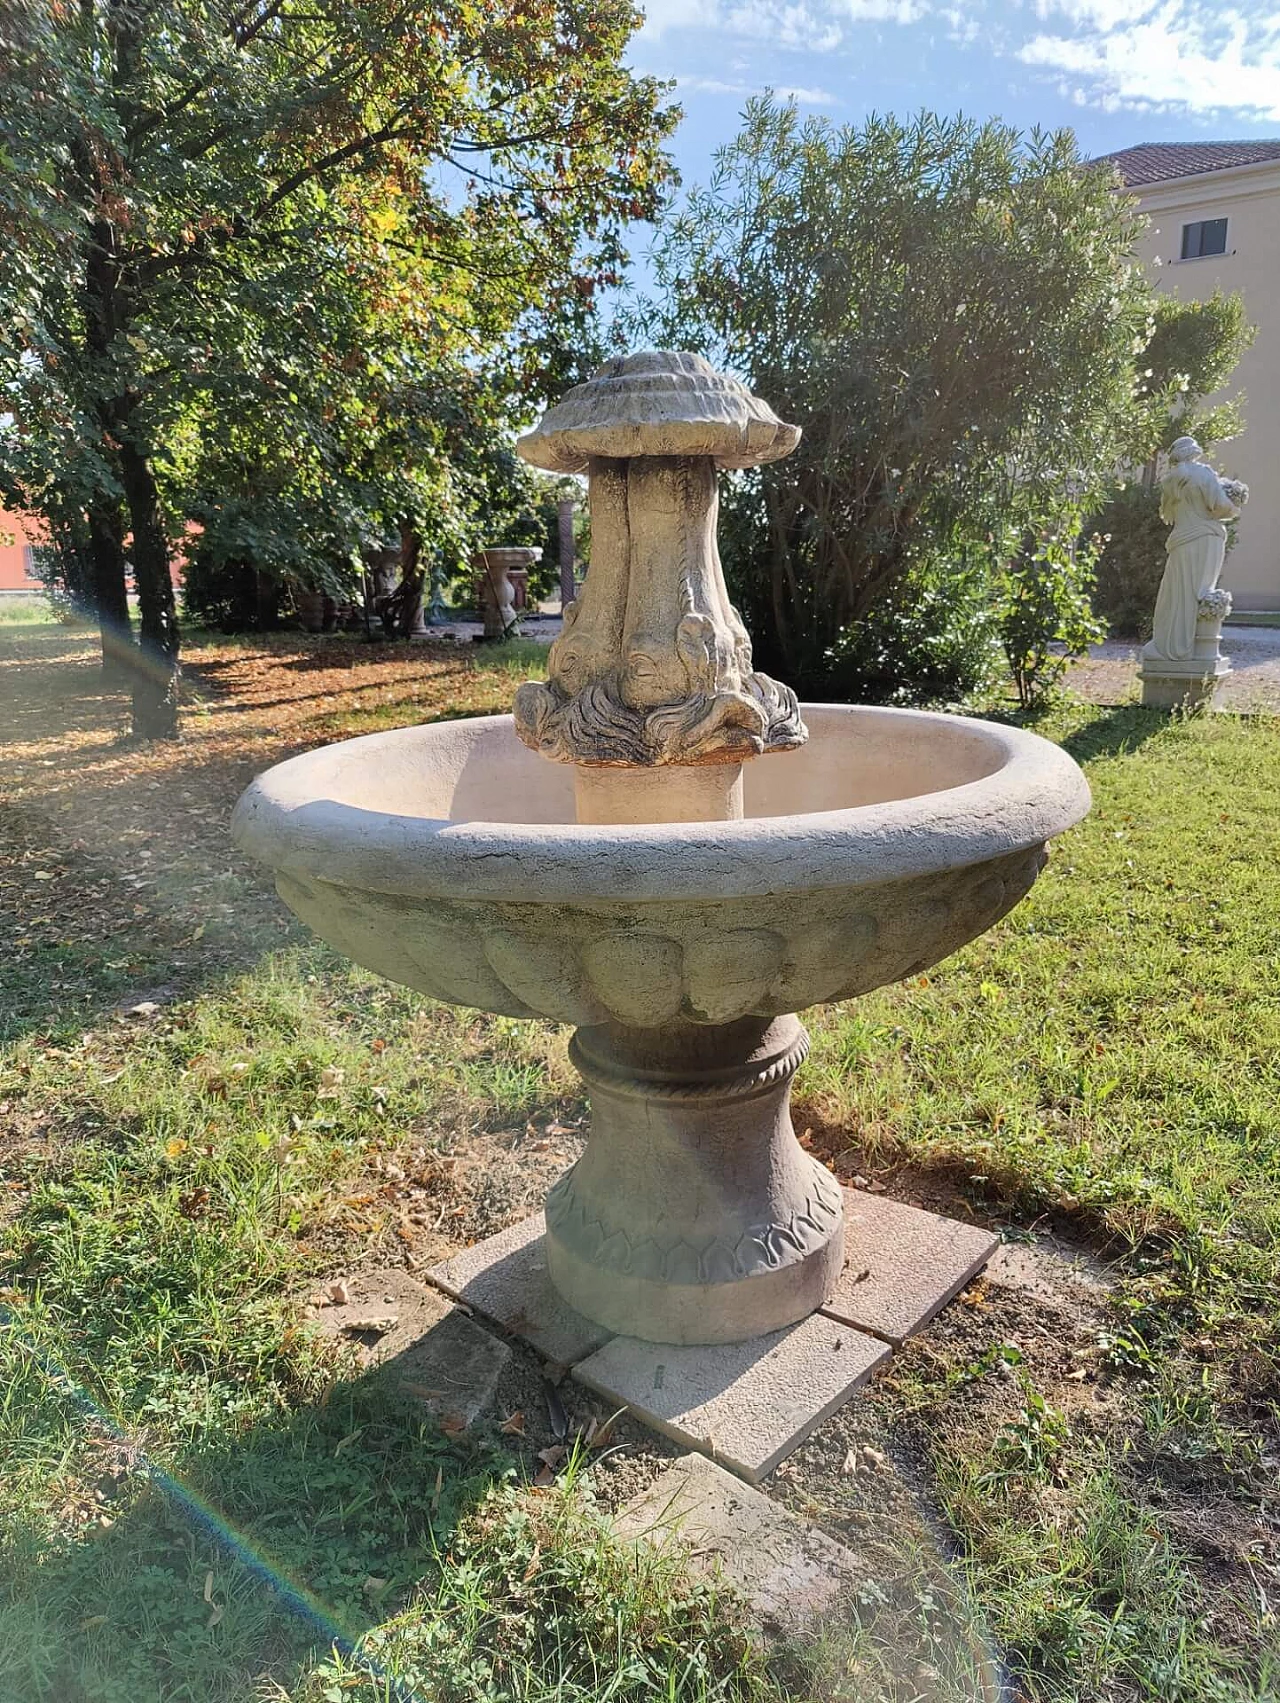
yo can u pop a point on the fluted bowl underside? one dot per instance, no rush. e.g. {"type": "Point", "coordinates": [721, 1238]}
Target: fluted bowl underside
{"type": "Point", "coordinates": [447, 858]}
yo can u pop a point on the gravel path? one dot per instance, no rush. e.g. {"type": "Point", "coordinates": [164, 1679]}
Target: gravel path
{"type": "Point", "coordinates": [1109, 674]}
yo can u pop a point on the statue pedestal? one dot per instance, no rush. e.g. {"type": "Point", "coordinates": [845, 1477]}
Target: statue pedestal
{"type": "Point", "coordinates": [1193, 683]}
{"type": "Point", "coordinates": [497, 595]}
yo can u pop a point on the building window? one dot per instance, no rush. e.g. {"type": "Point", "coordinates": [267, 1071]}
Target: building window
{"type": "Point", "coordinates": [1206, 236]}
{"type": "Point", "coordinates": [29, 564]}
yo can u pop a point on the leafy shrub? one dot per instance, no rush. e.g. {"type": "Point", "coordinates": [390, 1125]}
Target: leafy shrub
{"type": "Point", "coordinates": [1045, 613]}
{"type": "Point", "coordinates": [934, 639]}
{"type": "Point", "coordinates": [1132, 561]}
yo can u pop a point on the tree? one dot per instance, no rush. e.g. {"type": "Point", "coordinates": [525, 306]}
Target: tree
{"type": "Point", "coordinates": [951, 312]}
{"type": "Point", "coordinates": [226, 217]}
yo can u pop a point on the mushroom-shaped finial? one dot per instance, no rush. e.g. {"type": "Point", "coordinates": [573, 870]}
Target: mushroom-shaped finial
{"type": "Point", "coordinates": [654, 665]}
{"type": "Point", "coordinates": [658, 402]}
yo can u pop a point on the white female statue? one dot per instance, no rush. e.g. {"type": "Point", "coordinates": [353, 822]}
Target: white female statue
{"type": "Point", "coordinates": [1195, 503]}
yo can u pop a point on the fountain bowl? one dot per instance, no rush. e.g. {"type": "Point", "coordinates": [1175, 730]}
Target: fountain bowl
{"type": "Point", "coordinates": [446, 857]}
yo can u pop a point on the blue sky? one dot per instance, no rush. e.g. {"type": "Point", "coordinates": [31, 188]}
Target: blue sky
{"type": "Point", "coordinates": [1117, 71]}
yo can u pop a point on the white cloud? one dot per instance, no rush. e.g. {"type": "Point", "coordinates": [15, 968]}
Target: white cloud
{"type": "Point", "coordinates": [713, 86]}
{"type": "Point", "coordinates": [1096, 14]}
{"type": "Point", "coordinates": [808, 97]}
{"type": "Point", "coordinates": [815, 26]}
{"type": "Point", "coordinates": [1180, 55]}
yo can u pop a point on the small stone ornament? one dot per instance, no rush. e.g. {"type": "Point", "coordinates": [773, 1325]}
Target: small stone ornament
{"type": "Point", "coordinates": [654, 664]}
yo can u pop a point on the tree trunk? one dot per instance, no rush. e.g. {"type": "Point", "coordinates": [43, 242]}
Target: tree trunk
{"type": "Point", "coordinates": [411, 582]}
{"type": "Point", "coordinates": [155, 689]}
{"type": "Point", "coordinates": [108, 591]}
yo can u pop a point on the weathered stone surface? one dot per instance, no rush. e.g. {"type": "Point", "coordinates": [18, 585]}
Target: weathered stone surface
{"type": "Point", "coordinates": [505, 1278]}
{"type": "Point", "coordinates": [382, 1293]}
{"type": "Point", "coordinates": [902, 1265]}
{"type": "Point", "coordinates": [1187, 624]}
{"type": "Point", "coordinates": [787, 1572]}
{"type": "Point", "coordinates": [497, 598]}
{"type": "Point", "coordinates": [432, 1350]}
{"type": "Point", "coordinates": [746, 1404]}
{"type": "Point", "coordinates": [447, 858]}
{"type": "Point", "coordinates": [454, 1368]}
{"type": "Point", "coordinates": [644, 1235]}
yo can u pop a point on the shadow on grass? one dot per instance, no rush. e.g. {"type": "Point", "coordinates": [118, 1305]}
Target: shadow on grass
{"type": "Point", "coordinates": [119, 884]}
{"type": "Point", "coordinates": [1117, 732]}
{"type": "Point", "coordinates": [254, 1555]}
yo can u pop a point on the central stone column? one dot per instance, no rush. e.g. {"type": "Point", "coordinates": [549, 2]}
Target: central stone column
{"type": "Point", "coordinates": [694, 1215]}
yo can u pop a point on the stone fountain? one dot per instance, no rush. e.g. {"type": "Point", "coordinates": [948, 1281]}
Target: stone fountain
{"type": "Point", "coordinates": [665, 850]}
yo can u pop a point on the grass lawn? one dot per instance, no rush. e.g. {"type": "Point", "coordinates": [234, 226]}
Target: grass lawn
{"type": "Point", "coordinates": [204, 1114]}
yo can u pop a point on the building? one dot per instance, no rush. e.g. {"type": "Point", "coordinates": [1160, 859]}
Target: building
{"type": "Point", "coordinates": [16, 570]}
{"type": "Point", "coordinates": [1214, 209]}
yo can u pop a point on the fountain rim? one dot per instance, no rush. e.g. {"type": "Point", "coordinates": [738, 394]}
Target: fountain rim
{"type": "Point", "coordinates": [1035, 793]}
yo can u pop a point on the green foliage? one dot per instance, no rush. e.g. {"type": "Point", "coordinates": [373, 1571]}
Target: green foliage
{"type": "Point", "coordinates": [1132, 560]}
{"type": "Point", "coordinates": [951, 312]}
{"type": "Point", "coordinates": [1045, 612]}
{"type": "Point", "coordinates": [286, 270]}
{"type": "Point", "coordinates": [1193, 351]}
{"type": "Point", "coordinates": [936, 640]}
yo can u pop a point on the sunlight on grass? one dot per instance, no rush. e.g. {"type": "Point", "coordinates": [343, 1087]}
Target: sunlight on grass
{"type": "Point", "coordinates": [201, 1495]}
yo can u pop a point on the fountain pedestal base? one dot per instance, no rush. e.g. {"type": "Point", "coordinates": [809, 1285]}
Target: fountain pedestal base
{"type": "Point", "coordinates": [694, 1216]}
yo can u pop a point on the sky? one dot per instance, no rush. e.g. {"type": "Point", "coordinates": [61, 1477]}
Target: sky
{"type": "Point", "coordinates": [1117, 71]}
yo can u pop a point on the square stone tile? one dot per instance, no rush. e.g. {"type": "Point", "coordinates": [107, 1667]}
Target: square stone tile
{"type": "Point", "coordinates": [785, 1569]}
{"type": "Point", "coordinates": [434, 1352]}
{"type": "Point", "coordinates": [902, 1265]}
{"type": "Point", "coordinates": [505, 1278]}
{"type": "Point", "coordinates": [746, 1404]}
{"type": "Point", "coordinates": [453, 1369]}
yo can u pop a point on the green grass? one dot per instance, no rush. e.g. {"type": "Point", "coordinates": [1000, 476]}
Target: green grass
{"type": "Point", "coordinates": [1108, 1059]}
{"type": "Point", "coordinates": [203, 1502]}
{"type": "Point", "coordinates": [25, 609]}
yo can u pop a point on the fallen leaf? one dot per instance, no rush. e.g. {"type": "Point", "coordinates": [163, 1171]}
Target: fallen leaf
{"type": "Point", "coordinates": [452, 1424]}
{"type": "Point", "coordinates": [339, 1293]}
{"type": "Point", "coordinates": [850, 1464]}
{"type": "Point", "coordinates": [435, 1495]}
{"type": "Point", "coordinates": [553, 1456]}
{"type": "Point", "coordinates": [513, 1425]}
{"type": "Point", "coordinates": [602, 1435]}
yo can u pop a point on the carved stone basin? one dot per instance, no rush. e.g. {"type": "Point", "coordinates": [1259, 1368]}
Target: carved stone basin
{"type": "Point", "coordinates": [447, 858]}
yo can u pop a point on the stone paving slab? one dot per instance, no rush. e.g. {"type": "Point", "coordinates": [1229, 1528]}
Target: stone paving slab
{"type": "Point", "coordinates": [505, 1278]}
{"type": "Point", "coordinates": [902, 1265]}
{"type": "Point", "coordinates": [747, 1404]}
{"type": "Point", "coordinates": [434, 1352]}
{"type": "Point", "coordinates": [786, 1570]}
